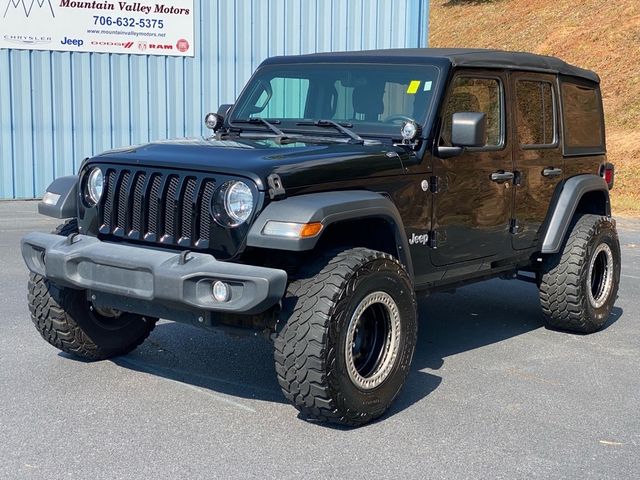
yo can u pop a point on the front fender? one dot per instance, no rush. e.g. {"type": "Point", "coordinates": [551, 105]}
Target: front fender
{"type": "Point", "coordinates": [327, 208]}
{"type": "Point", "coordinates": [61, 198]}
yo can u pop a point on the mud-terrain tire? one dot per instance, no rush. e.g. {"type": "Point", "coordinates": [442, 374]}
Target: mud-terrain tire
{"type": "Point", "coordinates": [68, 321]}
{"type": "Point", "coordinates": [579, 285]}
{"type": "Point", "coordinates": [346, 336]}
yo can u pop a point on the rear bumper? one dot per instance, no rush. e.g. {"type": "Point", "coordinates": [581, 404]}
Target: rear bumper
{"type": "Point", "coordinates": [86, 263]}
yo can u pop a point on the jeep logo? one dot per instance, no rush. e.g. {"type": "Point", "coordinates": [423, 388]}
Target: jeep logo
{"type": "Point", "coordinates": [419, 239]}
{"type": "Point", "coordinates": [72, 41]}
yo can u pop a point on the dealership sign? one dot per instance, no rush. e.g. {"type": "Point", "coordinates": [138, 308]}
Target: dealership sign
{"type": "Point", "coordinates": [144, 27]}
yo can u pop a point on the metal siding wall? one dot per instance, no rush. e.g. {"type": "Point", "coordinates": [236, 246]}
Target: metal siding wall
{"type": "Point", "coordinates": [57, 108]}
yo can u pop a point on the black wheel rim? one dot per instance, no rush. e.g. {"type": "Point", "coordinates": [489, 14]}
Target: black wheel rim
{"type": "Point", "coordinates": [372, 330]}
{"type": "Point", "coordinates": [372, 340]}
{"type": "Point", "coordinates": [105, 318]}
{"type": "Point", "coordinates": [600, 279]}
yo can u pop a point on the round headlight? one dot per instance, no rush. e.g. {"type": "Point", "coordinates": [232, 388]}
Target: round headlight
{"type": "Point", "coordinates": [236, 200]}
{"type": "Point", "coordinates": [95, 186]}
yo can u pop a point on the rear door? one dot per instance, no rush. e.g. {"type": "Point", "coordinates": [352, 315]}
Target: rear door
{"type": "Point", "coordinates": [537, 154]}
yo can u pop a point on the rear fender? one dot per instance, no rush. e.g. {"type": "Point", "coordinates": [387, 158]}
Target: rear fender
{"type": "Point", "coordinates": [566, 205]}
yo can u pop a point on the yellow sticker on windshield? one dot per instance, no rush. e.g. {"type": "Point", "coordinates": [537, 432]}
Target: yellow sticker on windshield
{"type": "Point", "coordinates": [413, 87]}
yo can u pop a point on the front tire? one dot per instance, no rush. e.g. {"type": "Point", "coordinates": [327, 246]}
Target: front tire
{"type": "Point", "coordinates": [67, 319]}
{"type": "Point", "coordinates": [579, 285]}
{"type": "Point", "coordinates": [348, 334]}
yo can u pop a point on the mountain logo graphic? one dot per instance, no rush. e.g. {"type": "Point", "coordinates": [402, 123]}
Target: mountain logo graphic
{"type": "Point", "coordinates": [16, 4]}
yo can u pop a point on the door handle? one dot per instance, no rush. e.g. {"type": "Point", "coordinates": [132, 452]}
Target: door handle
{"type": "Point", "coordinates": [552, 172]}
{"type": "Point", "coordinates": [502, 176]}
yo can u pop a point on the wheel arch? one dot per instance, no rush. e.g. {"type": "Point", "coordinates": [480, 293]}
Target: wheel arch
{"type": "Point", "coordinates": [578, 195]}
{"type": "Point", "coordinates": [354, 218]}
{"type": "Point", "coordinates": [61, 198]}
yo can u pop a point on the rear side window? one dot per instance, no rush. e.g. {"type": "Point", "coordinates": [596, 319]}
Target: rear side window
{"type": "Point", "coordinates": [535, 113]}
{"type": "Point", "coordinates": [582, 119]}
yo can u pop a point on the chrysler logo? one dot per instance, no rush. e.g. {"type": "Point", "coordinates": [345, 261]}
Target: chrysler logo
{"type": "Point", "coordinates": [16, 4]}
{"type": "Point", "coordinates": [28, 39]}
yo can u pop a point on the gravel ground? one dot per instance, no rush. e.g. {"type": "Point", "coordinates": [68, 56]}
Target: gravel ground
{"type": "Point", "coordinates": [492, 394]}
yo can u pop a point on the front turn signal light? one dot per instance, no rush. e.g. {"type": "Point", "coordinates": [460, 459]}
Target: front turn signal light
{"type": "Point", "coordinates": [292, 230]}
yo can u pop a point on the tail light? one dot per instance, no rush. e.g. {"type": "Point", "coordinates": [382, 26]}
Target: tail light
{"type": "Point", "coordinates": [607, 171]}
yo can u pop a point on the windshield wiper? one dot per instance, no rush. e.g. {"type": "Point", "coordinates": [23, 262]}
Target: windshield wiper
{"type": "Point", "coordinates": [281, 136]}
{"type": "Point", "coordinates": [342, 128]}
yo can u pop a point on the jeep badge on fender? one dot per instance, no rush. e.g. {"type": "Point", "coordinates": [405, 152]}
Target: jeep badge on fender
{"type": "Point", "coordinates": [419, 239]}
{"type": "Point", "coordinates": [335, 188]}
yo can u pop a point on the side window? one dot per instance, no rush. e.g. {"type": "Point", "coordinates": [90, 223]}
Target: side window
{"type": "Point", "coordinates": [582, 118]}
{"type": "Point", "coordinates": [535, 113]}
{"type": "Point", "coordinates": [287, 98]}
{"type": "Point", "coordinates": [471, 94]}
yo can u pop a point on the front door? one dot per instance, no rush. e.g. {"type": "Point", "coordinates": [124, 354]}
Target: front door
{"type": "Point", "coordinates": [537, 154]}
{"type": "Point", "coordinates": [472, 208]}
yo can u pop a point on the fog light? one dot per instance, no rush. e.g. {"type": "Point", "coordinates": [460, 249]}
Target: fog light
{"type": "Point", "coordinates": [213, 121]}
{"type": "Point", "coordinates": [410, 130]}
{"type": "Point", "coordinates": [221, 291]}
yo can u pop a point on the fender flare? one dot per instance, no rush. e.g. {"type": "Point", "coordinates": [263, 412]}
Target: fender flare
{"type": "Point", "coordinates": [61, 198]}
{"type": "Point", "coordinates": [328, 208]}
{"type": "Point", "coordinates": [565, 207]}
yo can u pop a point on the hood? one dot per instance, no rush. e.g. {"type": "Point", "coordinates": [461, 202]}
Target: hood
{"type": "Point", "coordinates": [298, 164]}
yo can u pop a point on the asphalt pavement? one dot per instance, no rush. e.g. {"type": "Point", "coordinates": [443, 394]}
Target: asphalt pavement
{"type": "Point", "coordinates": [492, 394]}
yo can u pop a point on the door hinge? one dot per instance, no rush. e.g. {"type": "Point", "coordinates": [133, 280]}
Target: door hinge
{"type": "Point", "coordinates": [434, 184]}
{"type": "Point", "coordinates": [514, 226]}
{"type": "Point", "coordinates": [276, 189]}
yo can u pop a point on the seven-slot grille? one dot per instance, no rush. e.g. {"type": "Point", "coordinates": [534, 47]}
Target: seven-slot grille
{"type": "Point", "coordinates": [158, 207]}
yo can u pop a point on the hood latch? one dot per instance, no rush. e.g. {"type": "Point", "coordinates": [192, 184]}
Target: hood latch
{"type": "Point", "coordinates": [276, 189]}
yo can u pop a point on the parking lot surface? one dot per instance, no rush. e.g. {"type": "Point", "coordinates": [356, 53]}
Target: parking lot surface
{"type": "Point", "coordinates": [492, 394]}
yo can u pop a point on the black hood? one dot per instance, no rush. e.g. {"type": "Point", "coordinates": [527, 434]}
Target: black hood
{"type": "Point", "coordinates": [298, 164]}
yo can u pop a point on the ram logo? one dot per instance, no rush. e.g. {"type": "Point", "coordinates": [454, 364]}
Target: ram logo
{"type": "Point", "coordinates": [16, 4]}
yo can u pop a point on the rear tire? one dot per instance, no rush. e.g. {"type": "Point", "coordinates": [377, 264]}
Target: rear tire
{"type": "Point", "coordinates": [67, 320]}
{"type": "Point", "coordinates": [579, 285]}
{"type": "Point", "coordinates": [348, 334]}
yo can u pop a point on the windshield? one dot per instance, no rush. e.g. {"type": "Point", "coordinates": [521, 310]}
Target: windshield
{"type": "Point", "coordinates": [371, 99]}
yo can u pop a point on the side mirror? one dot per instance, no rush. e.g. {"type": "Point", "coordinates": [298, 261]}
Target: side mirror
{"type": "Point", "coordinates": [469, 129]}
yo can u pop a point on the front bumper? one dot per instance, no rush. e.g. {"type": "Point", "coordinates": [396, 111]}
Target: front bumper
{"type": "Point", "coordinates": [149, 275]}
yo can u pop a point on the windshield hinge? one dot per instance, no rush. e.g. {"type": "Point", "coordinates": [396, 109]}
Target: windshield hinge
{"type": "Point", "coordinates": [276, 189]}
{"type": "Point", "coordinates": [514, 226]}
{"type": "Point", "coordinates": [433, 239]}
{"type": "Point", "coordinates": [434, 184]}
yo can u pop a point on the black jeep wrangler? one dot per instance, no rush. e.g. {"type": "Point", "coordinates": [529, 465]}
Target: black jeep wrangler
{"type": "Point", "coordinates": [334, 190]}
